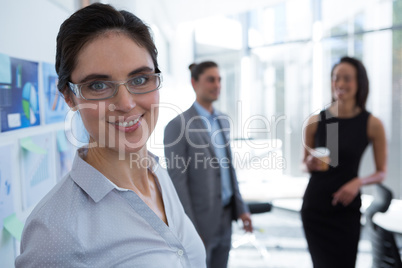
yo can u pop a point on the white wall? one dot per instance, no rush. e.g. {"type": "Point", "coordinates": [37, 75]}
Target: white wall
{"type": "Point", "coordinates": [29, 28]}
{"type": "Point", "coordinates": [28, 31]}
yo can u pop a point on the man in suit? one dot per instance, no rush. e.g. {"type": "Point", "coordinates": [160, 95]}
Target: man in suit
{"type": "Point", "coordinates": [200, 165]}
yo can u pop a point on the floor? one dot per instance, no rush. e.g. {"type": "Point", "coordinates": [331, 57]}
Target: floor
{"type": "Point", "coordinates": [278, 242]}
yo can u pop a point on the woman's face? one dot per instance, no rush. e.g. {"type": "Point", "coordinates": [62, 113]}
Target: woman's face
{"type": "Point", "coordinates": [344, 82]}
{"type": "Point", "coordinates": [125, 121]}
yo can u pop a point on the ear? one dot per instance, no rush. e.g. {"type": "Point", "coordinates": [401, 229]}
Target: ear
{"type": "Point", "coordinates": [193, 83]}
{"type": "Point", "coordinates": [69, 98]}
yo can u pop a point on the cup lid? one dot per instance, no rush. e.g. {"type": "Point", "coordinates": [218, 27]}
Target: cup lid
{"type": "Point", "coordinates": [320, 152]}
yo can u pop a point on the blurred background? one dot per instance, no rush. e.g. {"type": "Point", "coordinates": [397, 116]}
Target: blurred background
{"type": "Point", "coordinates": [275, 58]}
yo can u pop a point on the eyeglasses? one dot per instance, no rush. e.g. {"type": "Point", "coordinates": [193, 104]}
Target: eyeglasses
{"type": "Point", "coordinates": [102, 90]}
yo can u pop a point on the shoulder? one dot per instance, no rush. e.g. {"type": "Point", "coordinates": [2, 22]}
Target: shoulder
{"type": "Point", "coordinates": [58, 205]}
{"type": "Point", "coordinates": [182, 118]}
{"type": "Point", "coordinates": [374, 121]}
{"type": "Point", "coordinates": [52, 198]}
{"type": "Point", "coordinates": [375, 128]}
{"type": "Point", "coordinates": [315, 117]}
{"type": "Point", "coordinates": [311, 124]}
{"type": "Point", "coordinates": [48, 230]}
{"type": "Point", "coordinates": [219, 113]}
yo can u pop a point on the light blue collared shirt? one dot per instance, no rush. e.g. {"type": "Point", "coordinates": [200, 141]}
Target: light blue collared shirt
{"type": "Point", "coordinates": [85, 221]}
{"type": "Point", "coordinates": [218, 143]}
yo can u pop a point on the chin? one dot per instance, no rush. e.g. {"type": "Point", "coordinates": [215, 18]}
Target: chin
{"type": "Point", "coordinates": [129, 152]}
{"type": "Point", "coordinates": [215, 98]}
{"type": "Point", "coordinates": [132, 146]}
{"type": "Point", "coordinates": [124, 145]}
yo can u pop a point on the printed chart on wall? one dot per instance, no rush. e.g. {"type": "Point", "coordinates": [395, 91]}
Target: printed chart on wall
{"type": "Point", "coordinates": [6, 186]}
{"type": "Point", "coordinates": [37, 168]}
{"type": "Point", "coordinates": [66, 152]}
{"type": "Point", "coordinates": [19, 103]}
{"type": "Point", "coordinates": [55, 106]}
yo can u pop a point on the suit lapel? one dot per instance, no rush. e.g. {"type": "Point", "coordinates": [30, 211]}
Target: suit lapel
{"type": "Point", "coordinates": [226, 134]}
{"type": "Point", "coordinates": [223, 127]}
{"type": "Point", "coordinates": [226, 139]}
{"type": "Point", "coordinates": [197, 123]}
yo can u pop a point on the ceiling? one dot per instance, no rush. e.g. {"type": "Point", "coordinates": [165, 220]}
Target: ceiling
{"type": "Point", "coordinates": [169, 14]}
{"type": "Point", "coordinates": [178, 11]}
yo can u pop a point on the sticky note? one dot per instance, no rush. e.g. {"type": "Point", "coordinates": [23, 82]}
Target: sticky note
{"type": "Point", "coordinates": [29, 145]}
{"type": "Point", "coordinates": [61, 141]}
{"type": "Point", "coordinates": [14, 120]}
{"type": "Point", "coordinates": [14, 226]}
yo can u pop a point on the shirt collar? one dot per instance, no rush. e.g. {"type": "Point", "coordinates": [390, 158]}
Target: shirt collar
{"type": "Point", "coordinates": [117, 187]}
{"type": "Point", "coordinates": [94, 183]}
{"type": "Point", "coordinates": [204, 112]}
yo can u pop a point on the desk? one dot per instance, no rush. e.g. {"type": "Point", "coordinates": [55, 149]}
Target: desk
{"type": "Point", "coordinates": [295, 204]}
{"type": "Point", "coordinates": [391, 220]}
{"type": "Point", "coordinates": [289, 204]}
{"type": "Point", "coordinates": [253, 188]}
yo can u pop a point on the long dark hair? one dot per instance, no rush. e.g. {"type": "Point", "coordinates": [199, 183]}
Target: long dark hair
{"type": "Point", "coordinates": [198, 69]}
{"type": "Point", "coordinates": [362, 80]}
{"type": "Point", "coordinates": [90, 22]}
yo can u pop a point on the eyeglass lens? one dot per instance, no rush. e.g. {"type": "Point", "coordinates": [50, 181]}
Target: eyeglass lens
{"type": "Point", "coordinates": [105, 89]}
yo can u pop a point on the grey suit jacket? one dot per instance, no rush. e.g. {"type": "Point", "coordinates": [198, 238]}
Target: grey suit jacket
{"type": "Point", "coordinates": [192, 166]}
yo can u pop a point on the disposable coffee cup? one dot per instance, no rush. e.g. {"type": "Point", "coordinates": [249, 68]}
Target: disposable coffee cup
{"type": "Point", "coordinates": [322, 153]}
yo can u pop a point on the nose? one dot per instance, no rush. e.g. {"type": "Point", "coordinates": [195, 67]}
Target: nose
{"type": "Point", "coordinates": [124, 100]}
{"type": "Point", "coordinates": [218, 83]}
{"type": "Point", "coordinates": [340, 82]}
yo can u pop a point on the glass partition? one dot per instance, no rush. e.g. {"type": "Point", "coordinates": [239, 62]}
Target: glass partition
{"type": "Point", "coordinates": [280, 73]}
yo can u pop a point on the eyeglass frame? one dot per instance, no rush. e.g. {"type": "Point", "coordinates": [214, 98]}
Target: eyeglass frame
{"type": "Point", "coordinates": [76, 88]}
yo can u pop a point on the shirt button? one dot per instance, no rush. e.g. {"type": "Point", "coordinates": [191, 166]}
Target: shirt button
{"type": "Point", "coordinates": [180, 252]}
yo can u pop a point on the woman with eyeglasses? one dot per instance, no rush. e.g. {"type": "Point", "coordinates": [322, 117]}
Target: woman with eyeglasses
{"type": "Point", "coordinates": [117, 207]}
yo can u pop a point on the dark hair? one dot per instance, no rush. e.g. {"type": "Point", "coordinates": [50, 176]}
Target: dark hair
{"type": "Point", "coordinates": [89, 23]}
{"type": "Point", "coordinates": [198, 69]}
{"type": "Point", "coordinates": [362, 80]}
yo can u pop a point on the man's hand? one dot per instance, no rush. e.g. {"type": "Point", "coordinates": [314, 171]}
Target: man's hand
{"type": "Point", "coordinates": [247, 224]}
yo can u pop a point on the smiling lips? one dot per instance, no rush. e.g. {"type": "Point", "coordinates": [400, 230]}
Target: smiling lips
{"type": "Point", "coordinates": [128, 125]}
{"type": "Point", "coordinates": [340, 91]}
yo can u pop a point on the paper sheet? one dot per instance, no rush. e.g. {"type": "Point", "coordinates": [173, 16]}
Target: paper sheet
{"type": "Point", "coordinates": [19, 101]}
{"type": "Point", "coordinates": [6, 183]}
{"type": "Point", "coordinates": [29, 145]}
{"type": "Point", "coordinates": [14, 226]}
{"type": "Point", "coordinates": [37, 168]}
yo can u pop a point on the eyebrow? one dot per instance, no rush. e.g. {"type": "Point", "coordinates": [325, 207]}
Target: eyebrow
{"type": "Point", "coordinates": [213, 77]}
{"type": "Point", "coordinates": [144, 69]}
{"type": "Point", "coordinates": [104, 76]}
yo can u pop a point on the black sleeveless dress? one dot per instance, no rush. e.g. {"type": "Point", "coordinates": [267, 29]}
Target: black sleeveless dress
{"type": "Point", "coordinates": [333, 232]}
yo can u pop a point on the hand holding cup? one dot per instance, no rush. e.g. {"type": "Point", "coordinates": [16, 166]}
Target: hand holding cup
{"type": "Point", "coordinates": [318, 160]}
{"type": "Point", "coordinates": [322, 154]}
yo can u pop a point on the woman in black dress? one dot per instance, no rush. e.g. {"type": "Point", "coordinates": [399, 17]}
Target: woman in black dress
{"type": "Point", "coordinates": [331, 205]}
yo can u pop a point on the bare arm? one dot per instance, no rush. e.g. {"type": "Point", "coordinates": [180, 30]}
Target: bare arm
{"type": "Point", "coordinates": [311, 163]}
{"type": "Point", "coordinates": [376, 134]}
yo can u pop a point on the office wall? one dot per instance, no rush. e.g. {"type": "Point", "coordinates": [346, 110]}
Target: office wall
{"type": "Point", "coordinates": [29, 28]}
{"type": "Point", "coordinates": [28, 31]}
